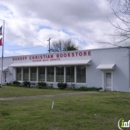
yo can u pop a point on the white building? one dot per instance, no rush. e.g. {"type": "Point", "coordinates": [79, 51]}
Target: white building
{"type": "Point", "coordinates": [107, 68]}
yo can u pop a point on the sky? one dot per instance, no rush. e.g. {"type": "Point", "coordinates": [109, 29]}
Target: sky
{"type": "Point", "coordinates": [30, 23]}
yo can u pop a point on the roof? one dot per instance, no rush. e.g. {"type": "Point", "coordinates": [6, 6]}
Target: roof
{"type": "Point", "coordinates": [52, 63]}
{"type": "Point", "coordinates": [106, 67]}
{"type": "Point", "coordinates": [4, 69]}
{"type": "Point", "coordinates": [70, 51]}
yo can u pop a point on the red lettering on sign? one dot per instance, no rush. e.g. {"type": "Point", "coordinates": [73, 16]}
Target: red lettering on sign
{"type": "Point", "coordinates": [76, 53]}
{"type": "Point", "coordinates": [68, 54]}
{"type": "Point", "coordinates": [89, 53]}
{"type": "Point", "coordinates": [72, 54]}
{"type": "Point", "coordinates": [57, 55]}
{"type": "Point", "coordinates": [51, 56]}
{"type": "Point", "coordinates": [85, 53]}
{"type": "Point", "coordinates": [61, 55]}
{"type": "Point", "coordinates": [65, 54]}
{"type": "Point", "coordinates": [80, 53]}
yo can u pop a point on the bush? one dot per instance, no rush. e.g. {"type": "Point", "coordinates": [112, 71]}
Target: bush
{"type": "Point", "coordinates": [62, 85]}
{"type": "Point", "coordinates": [8, 83]}
{"type": "Point", "coordinates": [42, 84]}
{"type": "Point", "coordinates": [16, 82]}
{"type": "Point", "coordinates": [41, 87]}
{"type": "Point", "coordinates": [88, 89]}
{"type": "Point", "coordinates": [26, 84]}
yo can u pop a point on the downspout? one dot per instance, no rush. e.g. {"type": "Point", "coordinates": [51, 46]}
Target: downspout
{"type": "Point", "coordinates": [129, 69]}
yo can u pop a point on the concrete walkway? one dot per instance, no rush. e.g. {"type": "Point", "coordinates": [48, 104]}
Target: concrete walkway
{"type": "Point", "coordinates": [45, 96]}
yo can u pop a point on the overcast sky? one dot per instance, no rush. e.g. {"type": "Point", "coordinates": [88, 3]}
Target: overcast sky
{"type": "Point", "coordinates": [30, 23]}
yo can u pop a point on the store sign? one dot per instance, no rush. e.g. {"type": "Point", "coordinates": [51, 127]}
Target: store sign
{"type": "Point", "coordinates": [54, 56]}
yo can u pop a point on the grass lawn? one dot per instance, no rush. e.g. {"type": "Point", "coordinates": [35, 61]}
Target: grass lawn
{"type": "Point", "coordinates": [10, 91]}
{"type": "Point", "coordinates": [99, 111]}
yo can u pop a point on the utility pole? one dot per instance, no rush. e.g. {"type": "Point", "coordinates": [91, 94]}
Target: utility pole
{"type": "Point", "coordinates": [49, 44]}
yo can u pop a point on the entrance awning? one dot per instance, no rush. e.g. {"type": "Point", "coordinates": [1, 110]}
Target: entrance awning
{"type": "Point", "coordinates": [4, 69]}
{"type": "Point", "coordinates": [52, 63]}
{"type": "Point", "coordinates": [106, 67]}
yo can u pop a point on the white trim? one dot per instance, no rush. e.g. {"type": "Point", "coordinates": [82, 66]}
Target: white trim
{"type": "Point", "coordinates": [64, 74]}
{"type": "Point", "coordinates": [103, 84]}
{"type": "Point", "coordinates": [37, 74]}
{"type": "Point", "coordinates": [21, 74]}
{"type": "Point", "coordinates": [75, 74]}
{"type": "Point", "coordinates": [29, 74]}
{"type": "Point", "coordinates": [106, 66]}
{"type": "Point", "coordinates": [52, 63]}
{"type": "Point", "coordinates": [103, 79]}
{"type": "Point", "coordinates": [45, 74]}
{"type": "Point", "coordinates": [54, 74]}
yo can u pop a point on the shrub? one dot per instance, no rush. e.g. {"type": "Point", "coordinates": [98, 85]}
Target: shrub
{"type": "Point", "coordinates": [8, 83]}
{"type": "Point", "coordinates": [45, 87]}
{"type": "Point", "coordinates": [41, 84]}
{"type": "Point", "coordinates": [26, 84]}
{"type": "Point", "coordinates": [62, 85]}
{"type": "Point", "coordinates": [41, 87]}
{"type": "Point", "coordinates": [88, 89]}
{"type": "Point", "coordinates": [16, 82]}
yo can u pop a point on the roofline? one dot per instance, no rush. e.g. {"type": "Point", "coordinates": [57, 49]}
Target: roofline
{"type": "Point", "coordinates": [70, 51]}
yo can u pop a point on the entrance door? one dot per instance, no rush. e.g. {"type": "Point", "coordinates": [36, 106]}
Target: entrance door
{"type": "Point", "coordinates": [108, 81]}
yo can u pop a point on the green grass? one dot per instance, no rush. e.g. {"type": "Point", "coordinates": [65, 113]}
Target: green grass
{"type": "Point", "coordinates": [10, 91]}
{"type": "Point", "coordinates": [100, 111]}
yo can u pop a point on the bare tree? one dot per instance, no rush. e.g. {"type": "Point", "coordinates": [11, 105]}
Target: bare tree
{"type": "Point", "coordinates": [122, 29]}
{"type": "Point", "coordinates": [62, 45]}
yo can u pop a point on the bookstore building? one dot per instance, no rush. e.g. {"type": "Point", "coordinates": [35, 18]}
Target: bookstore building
{"type": "Point", "coordinates": [107, 68]}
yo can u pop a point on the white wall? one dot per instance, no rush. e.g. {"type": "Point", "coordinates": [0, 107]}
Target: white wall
{"type": "Point", "coordinates": [109, 56]}
{"type": "Point", "coordinates": [117, 56]}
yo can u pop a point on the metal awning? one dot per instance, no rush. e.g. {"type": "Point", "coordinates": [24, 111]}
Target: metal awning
{"type": "Point", "coordinates": [106, 67]}
{"type": "Point", "coordinates": [4, 69]}
{"type": "Point", "coordinates": [52, 63]}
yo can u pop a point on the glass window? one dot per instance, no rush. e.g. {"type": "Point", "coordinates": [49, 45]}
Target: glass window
{"type": "Point", "coordinates": [50, 74]}
{"type": "Point", "coordinates": [41, 73]}
{"type": "Point", "coordinates": [18, 74]}
{"type": "Point", "coordinates": [81, 74]}
{"type": "Point", "coordinates": [33, 73]}
{"type": "Point", "coordinates": [25, 74]}
{"type": "Point", "coordinates": [60, 74]}
{"type": "Point", "coordinates": [70, 74]}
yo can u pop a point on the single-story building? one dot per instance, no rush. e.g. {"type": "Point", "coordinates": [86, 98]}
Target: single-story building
{"type": "Point", "coordinates": [108, 68]}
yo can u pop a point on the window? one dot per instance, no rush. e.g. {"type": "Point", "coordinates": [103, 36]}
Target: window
{"type": "Point", "coordinates": [33, 73]}
{"type": "Point", "coordinates": [50, 74]}
{"type": "Point", "coordinates": [60, 74]}
{"type": "Point", "coordinates": [81, 74]}
{"type": "Point", "coordinates": [25, 74]}
{"type": "Point", "coordinates": [70, 74]}
{"type": "Point", "coordinates": [18, 74]}
{"type": "Point", "coordinates": [41, 73]}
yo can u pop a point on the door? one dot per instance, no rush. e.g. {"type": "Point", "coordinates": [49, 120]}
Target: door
{"type": "Point", "coordinates": [108, 81]}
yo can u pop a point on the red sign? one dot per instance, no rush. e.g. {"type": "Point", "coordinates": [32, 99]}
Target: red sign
{"type": "Point", "coordinates": [51, 57]}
